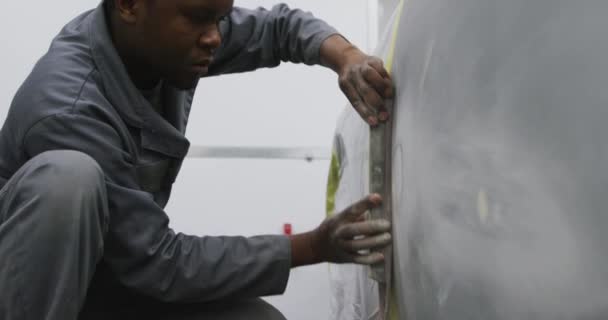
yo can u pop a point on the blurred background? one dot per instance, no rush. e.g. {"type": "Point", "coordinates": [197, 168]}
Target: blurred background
{"type": "Point", "coordinates": [291, 106]}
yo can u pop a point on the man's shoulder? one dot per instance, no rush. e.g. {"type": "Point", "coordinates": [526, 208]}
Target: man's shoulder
{"type": "Point", "coordinates": [63, 76]}
{"type": "Point", "coordinates": [58, 80]}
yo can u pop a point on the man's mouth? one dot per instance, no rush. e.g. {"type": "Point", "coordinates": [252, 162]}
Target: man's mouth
{"type": "Point", "coordinates": [201, 67]}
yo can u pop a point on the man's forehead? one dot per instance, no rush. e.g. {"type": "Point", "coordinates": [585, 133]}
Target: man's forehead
{"type": "Point", "coordinates": [211, 5]}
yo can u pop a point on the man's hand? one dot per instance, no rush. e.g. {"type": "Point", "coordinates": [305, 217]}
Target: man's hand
{"type": "Point", "coordinates": [363, 79]}
{"type": "Point", "coordinates": [344, 238]}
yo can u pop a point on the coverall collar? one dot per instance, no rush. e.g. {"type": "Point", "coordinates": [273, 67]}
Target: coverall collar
{"type": "Point", "coordinates": [157, 133]}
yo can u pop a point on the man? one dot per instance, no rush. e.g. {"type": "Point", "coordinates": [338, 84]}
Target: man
{"type": "Point", "coordinates": [95, 138]}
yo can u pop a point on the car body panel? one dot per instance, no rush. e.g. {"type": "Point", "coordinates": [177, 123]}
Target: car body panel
{"type": "Point", "coordinates": [499, 162]}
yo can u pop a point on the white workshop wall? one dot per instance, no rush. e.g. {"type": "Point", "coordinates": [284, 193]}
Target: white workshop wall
{"type": "Point", "coordinates": [292, 105]}
{"type": "Point", "coordinates": [26, 30]}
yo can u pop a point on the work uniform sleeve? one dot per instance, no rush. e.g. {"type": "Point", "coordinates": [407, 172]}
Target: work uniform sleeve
{"type": "Point", "coordinates": [261, 38]}
{"type": "Point", "coordinates": [145, 254]}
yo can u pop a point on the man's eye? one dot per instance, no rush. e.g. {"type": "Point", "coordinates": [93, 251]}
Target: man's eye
{"type": "Point", "coordinates": [201, 18]}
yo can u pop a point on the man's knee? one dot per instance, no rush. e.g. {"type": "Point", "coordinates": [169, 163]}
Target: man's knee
{"type": "Point", "coordinates": [63, 173]}
{"type": "Point", "coordinates": [265, 310]}
{"type": "Point", "coordinates": [65, 183]}
{"type": "Point", "coordinates": [252, 309]}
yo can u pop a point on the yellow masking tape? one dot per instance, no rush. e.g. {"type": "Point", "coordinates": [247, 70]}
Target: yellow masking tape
{"type": "Point", "coordinates": [333, 181]}
{"type": "Point", "coordinates": [391, 51]}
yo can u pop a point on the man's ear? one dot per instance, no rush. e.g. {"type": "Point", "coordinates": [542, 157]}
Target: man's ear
{"type": "Point", "coordinates": [128, 10]}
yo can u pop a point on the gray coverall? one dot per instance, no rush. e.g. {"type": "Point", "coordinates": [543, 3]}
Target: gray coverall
{"type": "Point", "coordinates": [83, 233]}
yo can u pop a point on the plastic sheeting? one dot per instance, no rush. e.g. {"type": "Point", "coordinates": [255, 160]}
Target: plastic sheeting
{"type": "Point", "coordinates": [354, 294]}
{"type": "Point", "coordinates": [500, 164]}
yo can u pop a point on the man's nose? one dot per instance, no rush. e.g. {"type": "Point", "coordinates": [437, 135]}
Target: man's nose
{"type": "Point", "coordinates": [211, 38]}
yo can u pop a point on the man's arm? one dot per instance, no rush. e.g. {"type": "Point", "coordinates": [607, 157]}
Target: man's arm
{"type": "Point", "coordinates": [253, 39]}
{"type": "Point", "coordinates": [260, 38]}
{"type": "Point", "coordinates": [142, 250]}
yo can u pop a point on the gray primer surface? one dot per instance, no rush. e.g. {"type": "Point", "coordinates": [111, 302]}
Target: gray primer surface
{"type": "Point", "coordinates": [501, 167]}
{"type": "Point", "coordinates": [500, 160]}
